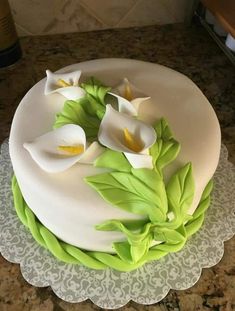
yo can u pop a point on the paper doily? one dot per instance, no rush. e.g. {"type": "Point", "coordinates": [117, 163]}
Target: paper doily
{"type": "Point", "coordinates": [109, 288]}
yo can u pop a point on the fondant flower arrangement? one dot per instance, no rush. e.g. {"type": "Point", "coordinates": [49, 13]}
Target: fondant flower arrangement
{"type": "Point", "coordinates": [95, 121]}
{"type": "Point", "coordinates": [100, 126]}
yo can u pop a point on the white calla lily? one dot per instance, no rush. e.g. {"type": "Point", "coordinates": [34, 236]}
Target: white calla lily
{"type": "Point", "coordinates": [124, 106]}
{"type": "Point", "coordinates": [65, 84]}
{"type": "Point", "coordinates": [61, 148]}
{"type": "Point", "coordinates": [123, 133]}
{"type": "Point", "coordinates": [131, 94]}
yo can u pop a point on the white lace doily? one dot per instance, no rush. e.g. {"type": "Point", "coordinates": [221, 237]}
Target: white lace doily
{"type": "Point", "coordinates": [112, 289]}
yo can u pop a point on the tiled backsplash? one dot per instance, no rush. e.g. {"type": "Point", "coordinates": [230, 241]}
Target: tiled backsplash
{"type": "Point", "coordinates": [38, 17]}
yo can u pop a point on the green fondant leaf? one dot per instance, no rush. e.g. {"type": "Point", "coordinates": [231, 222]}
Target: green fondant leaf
{"type": "Point", "coordinates": [93, 108]}
{"type": "Point", "coordinates": [202, 207]}
{"type": "Point", "coordinates": [133, 237]}
{"type": "Point", "coordinates": [149, 177]}
{"type": "Point", "coordinates": [135, 224]}
{"type": "Point", "coordinates": [137, 187]}
{"type": "Point", "coordinates": [132, 253]}
{"type": "Point", "coordinates": [207, 191]}
{"type": "Point", "coordinates": [127, 192]}
{"type": "Point", "coordinates": [187, 218]}
{"type": "Point", "coordinates": [100, 114]}
{"type": "Point", "coordinates": [155, 150]}
{"type": "Point", "coordinates": [141, 249]}
{"type": "Point", "coordinates": [163, 130]}
{"type": "Point", "coordinates": [154, 181]}
{"type": "Point", "coordinates": [180, 190]}
{"type": "Point", "coordinates": [181, 230]}
{"type": "Point", "coordinates": [164, 152]}
{"type": "Point", "coordinates": [168, 248]}
{"type": "Point", "coordinates": [137, 243]}
{"type": "Point", "coordinates": [114, 160]}
{"type": "Point", "coordinates": [74, 113]}
{"type": "Point", "coordinates": [123, 250]}
{"type": "Point", "coordinates": [96, 90]}
{"type": "Point", "coordinates": [194, 225]}
{"type": "Point", "coordinates": [166, 148]}
{"type": "Point", "coordinates": [87, 111]}
{"type": "Point", "coordinates": [203, 204]}
{"type": "Point", "coordinates": [168, 235]}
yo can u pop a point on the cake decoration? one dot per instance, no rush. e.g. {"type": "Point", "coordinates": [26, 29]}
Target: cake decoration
{"type": "Point", "coordinates": [101, 126]}
{"type": "Point", "coordinates": [131, 142]}
{"type": "Point", "coordinates": [52, 151]}
{"type": "Point", "coordinates": [87, 111]}
{"type": "Point", "coordinates": [66, 84]}
{"type": "Point", "coordinates": [72, 150]}
{"type": "Point", "coordinates": [143, 191]}
{"type": "Point", "coordinates": [130, 92]}
{"type": "Point", "coordinates": [124, 105]}
{"type": "Point", "coordinates": [166, 148]}
{"type": "Point", "coordinates": [111, 135]}
{"type": "Point", "coordinates": [102, 260]}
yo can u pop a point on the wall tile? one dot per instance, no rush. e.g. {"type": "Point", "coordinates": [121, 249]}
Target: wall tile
{"type": "Point", "coordinates": [109, 12]}
{"type": "Point", "coordinates": [21, 31]}
{"type": "Point", "coordinates": [33, 15]}
{"type": "Point", "coordinates": [177, 8]}
{"type": "Point", "coordinates": [71, 18]}
{"type": "Point", "coordinates": [150, 12]}
{"type": "Point", "coordinates": [38, 17]}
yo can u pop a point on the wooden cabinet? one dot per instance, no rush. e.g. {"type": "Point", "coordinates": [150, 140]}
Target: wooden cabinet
{"type": "Point", "coordinates": [224, 11]}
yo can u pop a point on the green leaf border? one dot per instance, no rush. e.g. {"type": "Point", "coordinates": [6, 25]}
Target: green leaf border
{"type": "Point", "coordinates": [100, 260]}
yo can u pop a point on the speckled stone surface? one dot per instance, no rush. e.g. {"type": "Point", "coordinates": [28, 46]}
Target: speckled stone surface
{"type": "Point", "coordinates": [188, 50]}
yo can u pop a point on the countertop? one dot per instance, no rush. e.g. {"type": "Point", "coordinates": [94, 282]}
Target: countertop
{"type": "Point", "coordinates": [189, 50]}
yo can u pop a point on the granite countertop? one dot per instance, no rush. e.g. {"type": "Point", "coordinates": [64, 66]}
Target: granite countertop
{"type": "Point", "coordinates": [189, 50]}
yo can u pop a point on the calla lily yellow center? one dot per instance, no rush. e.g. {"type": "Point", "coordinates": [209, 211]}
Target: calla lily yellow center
{"type": "Point", "coordinates": [128, 92]}
{"type": "Point", "coordinates": [66, 84]}
{"type": "Point", "coordinates": [73, 150]}
{"type": "Point", "coordinates": [63, 83]}
{"type": "Point", "coordinates": [131, 142]}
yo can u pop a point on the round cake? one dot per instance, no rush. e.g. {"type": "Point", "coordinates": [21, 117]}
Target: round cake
{"type": "Point", "coordinates": [68, 206]}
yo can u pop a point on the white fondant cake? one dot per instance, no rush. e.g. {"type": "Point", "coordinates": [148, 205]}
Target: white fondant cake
{"type": "Point", "coordinates": [63, 202]}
